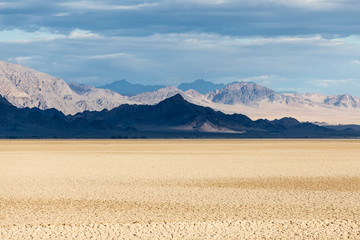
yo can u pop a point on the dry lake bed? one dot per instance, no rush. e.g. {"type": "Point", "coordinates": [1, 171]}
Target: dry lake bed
{"type": "Point", "coordinates": [180, 189]}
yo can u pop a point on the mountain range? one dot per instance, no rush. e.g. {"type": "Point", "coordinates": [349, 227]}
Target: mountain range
{"type": "Point", "coordinates": [126, 88]}
{"type": "Point", "coordinates": [201, 86]}
{"type": "Point", "coordinates": [173, 117]}
{"type": "Point", "coordinates": [25, 87]}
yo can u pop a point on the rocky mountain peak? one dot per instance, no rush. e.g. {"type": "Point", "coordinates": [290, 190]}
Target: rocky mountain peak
{"type": "Point", "coordinates": [25, 87]}
{"type": "Point", "coordinates": [243, 93]}
{"type": "Point", "coordinates": [156, 96]}
{"type": "Point", "coordinates": [30, 81]}
{"type": "Point", "coordinates": [177, 99]}
{"type": "Point", "coordinates": [344, 101]}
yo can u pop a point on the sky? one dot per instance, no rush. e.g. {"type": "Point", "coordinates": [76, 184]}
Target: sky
{"type": "Point", "coordinates": [296, 45]}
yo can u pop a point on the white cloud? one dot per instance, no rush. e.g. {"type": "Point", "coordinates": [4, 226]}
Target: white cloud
{"type": "Point", "coordinates": [23, 59]}
{"type": "Point", "coordinates": [5, 5]}
{"type": "Point", "coordinates": [256, 78]}
{"type": "Point", "coordinates": [352, 39]}
{"type": "Point", "coordinates": [199, 2]}
{"type": "Point", "coordinates": [325, 83]}
{"type": "Point", "coordinates": [355, 62]}
{"type": "Point", "coordinates": [43, 35]}
{"type": "Point", "coordinates": [21, 36]}
{"type": "Point", "coordinates": [92, 5]}
{"type": "Point", "coordinates": [282, 40]}
{"type": "Point", "coordinates": [307, 4]}
{"type": "Point", "coordinates": [108, 56]}
{"type": "Point", "coordinates": [214, 40]}
{"type": "Point", "coordinates": [61, 14]}
{"type": "Point", "coordinates": [121, 59]}
{"type": "Point", "coordinates": [311, 4]}
{"type": "Point", "coordinates": [80, 34]}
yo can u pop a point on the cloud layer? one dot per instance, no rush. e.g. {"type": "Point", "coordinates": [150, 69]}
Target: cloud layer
{"type": "Point", "coordinates": [307, 45]}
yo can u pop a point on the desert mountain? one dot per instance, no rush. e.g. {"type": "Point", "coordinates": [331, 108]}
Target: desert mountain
{"type": "Point", "coordinates": [151, 98]}
{"type": "Point", "coordinates": [97, 99]}
{"type": "Point", "coordinates": [15, 120]}
{"type": "Point", "coordinates": [128, 89]}
{"type": "Point", "coordinates": [177, 114]}
{"type": "Point", "coordinates": [252, 94]}
{"type": "Point", "coordinates": [172, 117]}
{"type": "Point", "coordinates": [201, 86]}
{"type": "Point", "coordinates": [257, 101]}
{"type": "Point", "coordinates": [25, 87]}
{"type": "Point", "coordinates": [243, 93]}
{"type": "Point", "coordinates": [246, 96]}
{"type": "Point", "coordinates": [174, 113]}
{"type": "Point", "coordinates": [344, 100]}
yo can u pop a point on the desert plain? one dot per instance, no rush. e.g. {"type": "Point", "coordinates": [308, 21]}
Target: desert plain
{"type": "Point", "coordinates": [180, 189]}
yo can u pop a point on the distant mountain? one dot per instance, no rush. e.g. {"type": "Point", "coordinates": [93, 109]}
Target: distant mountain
{"type": "Point", "coordinates": [243, 93]}
{"type": "Point", "coordinates": [344, 100]}
{"type": "Point", "coordinates": [25, 87]}
{"type": "Point", "coordinates": [252, 94]}
{"type": "Point", "coordinates": [128, 89]}
{"type": "Point", "coordinates": [257, 101]}
{"type": "Point", "coordinates": [201, 86]}
{"type": "Point", "coordinates": [14, 121]}
{"type": "Point", "coordinates": [151, 98]}
{"type": "Point", "coordinates": [97, 99]}
{"type": "Point", "coordinates": [51, 123]}
{"type": "Point", "coordinates": [171, 118]}
{"type": "Point", "coordinates": [175, 113]}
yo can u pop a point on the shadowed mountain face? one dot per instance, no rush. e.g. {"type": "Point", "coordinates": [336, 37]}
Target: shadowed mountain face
{"type": "Point", "coordinates": [172, 113]}
{"type": "Point", "coordinates": [175, 113]}
{"type": "Point", "coordinates": [173, 117]}
{"type": "Point", "coordinates": [14, 120]}
{"type": "Point", "coordinates": [128, 89]}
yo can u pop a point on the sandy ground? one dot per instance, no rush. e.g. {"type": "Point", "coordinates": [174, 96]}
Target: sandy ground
{"type": "Point", "coordinates": [272, 111]}
{"type": "Point", "coordinates": [230, 189]}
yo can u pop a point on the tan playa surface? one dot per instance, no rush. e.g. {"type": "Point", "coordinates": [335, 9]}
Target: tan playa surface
{"type": "Point", "coordinates": [190, 189]}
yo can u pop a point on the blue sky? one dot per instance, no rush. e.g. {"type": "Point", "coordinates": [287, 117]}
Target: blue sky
{"type": "Point", "coordinates": [300, 45]}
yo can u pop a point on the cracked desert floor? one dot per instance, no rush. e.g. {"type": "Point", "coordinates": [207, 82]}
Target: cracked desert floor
{"type": "Point", "coordinates": [180, 189]}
